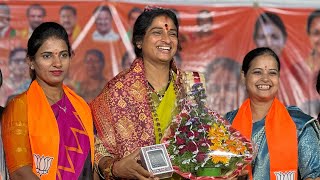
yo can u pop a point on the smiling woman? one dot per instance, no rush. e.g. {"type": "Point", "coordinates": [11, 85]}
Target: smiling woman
{"type": "Point", "coordinates": [270, 32]}
{"type": "Point", "coordinates": [34, 125]}
{"type": "Point", "coordinates": [143, 97]}
{"type": "Point", "coordinates": [288, 140]}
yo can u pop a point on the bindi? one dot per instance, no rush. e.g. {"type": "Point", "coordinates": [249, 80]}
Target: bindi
{"type": "Point", "coordinates": [265, 68]}
{"type": "Point", "coordinates": [166, 26]}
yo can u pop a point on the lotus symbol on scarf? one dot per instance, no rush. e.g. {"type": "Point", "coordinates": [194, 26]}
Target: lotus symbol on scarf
{"type": "Point", "coordinates": [285, 175]}
{"type": "Point", "coordinates": [43, 164]}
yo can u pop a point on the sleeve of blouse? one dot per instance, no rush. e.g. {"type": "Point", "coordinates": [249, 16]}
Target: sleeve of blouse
{"type": "Point", "coordinates": [15, 135]}
{"type": "Point", "coordinates": [309, 152]}
{"type": "Point", "coordinates": [100, 150]}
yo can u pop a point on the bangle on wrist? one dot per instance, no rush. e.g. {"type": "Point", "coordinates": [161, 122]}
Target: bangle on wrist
{"type": "Point", "coordinates": [108, 170]}
{"type": "Point", "coordinates": [96, 168]}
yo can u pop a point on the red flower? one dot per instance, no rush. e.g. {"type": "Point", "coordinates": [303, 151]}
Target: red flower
{"type": "Point", "coordinates": [194, 133]}
{"type": "Point", "coordinates": [184, 115]}
{"type": "Point", "coordinates": [183, 128]}
{"type": "Point", "coordinates": [191, 146]}
{"type": "Point", "coordinates": [201, 156]}
{"type": "Point", "coordinates": [203, 142]}
{"type": "Point", "coordinates": [183, 150]}
{"type": "Point", "coordinates": [206, 127]}
{"type": "Point", "coordinates": [180, 141]}
{"type": "Point", "coordinates": [189, 134]}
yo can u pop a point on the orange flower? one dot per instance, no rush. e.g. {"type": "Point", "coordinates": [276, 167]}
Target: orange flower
{"type": "Point", "coordinates": [221, 159]}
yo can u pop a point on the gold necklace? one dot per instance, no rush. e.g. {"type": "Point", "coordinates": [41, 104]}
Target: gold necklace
{"type": "Point", "coordinates": [161, 93]}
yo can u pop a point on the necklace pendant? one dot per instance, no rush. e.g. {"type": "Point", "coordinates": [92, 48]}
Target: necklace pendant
{"type": "Point", "coordinates": [64, 109]}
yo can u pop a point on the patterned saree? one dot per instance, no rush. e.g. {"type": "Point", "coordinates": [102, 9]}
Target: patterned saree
{"type": "Point", "coordinates": [124, 111]}
{"type": "Point", "coordinates": [74, 160]}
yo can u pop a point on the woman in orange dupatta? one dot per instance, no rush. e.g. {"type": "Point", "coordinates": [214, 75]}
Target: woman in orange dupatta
{"type": "Point", "coordinates": [47, 131]}
{"type": "Point", "coordinates": [3, 169]}
{"type": "Point", "coordinates": [287, 140]}
{"type": "Point", "coordinates": [136, 106]}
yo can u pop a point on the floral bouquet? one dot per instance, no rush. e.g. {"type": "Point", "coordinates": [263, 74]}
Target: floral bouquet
{"type": "Point", "coordinates": [202, 144]}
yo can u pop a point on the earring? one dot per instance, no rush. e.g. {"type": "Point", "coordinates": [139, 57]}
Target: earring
{"type": "Point", "coordinates": [31, 67]}
{"type": "Point", "coordinates": [139, 45]}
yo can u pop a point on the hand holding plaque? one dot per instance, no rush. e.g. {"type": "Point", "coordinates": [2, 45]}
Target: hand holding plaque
{"type": "Point", "coordinates": [130, 168]}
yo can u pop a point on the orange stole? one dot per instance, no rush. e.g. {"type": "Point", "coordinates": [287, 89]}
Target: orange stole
{"type": "Point", "coordinates": [43, 128]}
{"type": "Point", "coordinates": [281, 134]}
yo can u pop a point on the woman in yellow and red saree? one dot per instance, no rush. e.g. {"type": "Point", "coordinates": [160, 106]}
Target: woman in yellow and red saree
{"type": "Point", "coordinates": [47, 131]}
{"type": "Point", "coordinates": [135, 108]}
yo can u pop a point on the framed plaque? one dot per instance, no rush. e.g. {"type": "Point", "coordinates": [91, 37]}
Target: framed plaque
{"type": "Point", "coordinates": [156, 160]}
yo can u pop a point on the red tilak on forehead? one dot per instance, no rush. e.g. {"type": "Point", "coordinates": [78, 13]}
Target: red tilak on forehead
{"type": "Point", "coordinates": [265, 67]}
{"type": "Point", "coordinates": [166, 25]}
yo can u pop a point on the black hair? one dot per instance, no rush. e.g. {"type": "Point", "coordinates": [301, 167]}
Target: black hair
{"type": "Point", "coordinates": [250, 56]}
{"type": "Point", "coordinates": [144, 21]}
{"type": "Point", "coordinates": [102, 8]}
{"type": "Point", "coordinates": [68, 7]}
{"type": "Point", "coordinates": [311, 17]}
{"type": "Point", "coordinates": [97, 53]}
{"type": "Point", "coordinates": [318, 82]}
{"type": "Point", "coordinates": [134, 10]}
{"type": "Point", "coordinates": [199, 17]}
{"type": "Point", "coordinates": [269, 17]}
{"type": "Point", "coordinates": [14, 51]}
{"type": "Point", "coordinates": [125, 57]}
{"type": "Point", "coordinates": [0, 78]}
{"type": "Point", "coordinates": [223, 62]}
{"type": "Point", "coordinates": [36, 6]}
{"type": "Point", "coordinates": [42, 33]}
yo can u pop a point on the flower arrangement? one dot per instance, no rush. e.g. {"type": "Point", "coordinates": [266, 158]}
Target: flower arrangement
{"type": "Point", "coordinates": [202, 143]}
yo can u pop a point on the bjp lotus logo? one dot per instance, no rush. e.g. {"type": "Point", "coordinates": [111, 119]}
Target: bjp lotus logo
{"type": "Point", "coordinates": [43, 164]}
{"type": "Point", "coordinates": [285, 175]}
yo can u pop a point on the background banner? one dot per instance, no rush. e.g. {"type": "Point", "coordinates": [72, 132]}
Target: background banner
{"type": "Point", "coordinates": [214, 40]}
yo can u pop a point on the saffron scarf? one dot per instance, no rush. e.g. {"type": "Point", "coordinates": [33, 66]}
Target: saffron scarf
{"type": "Point", "coordinates": [281, 134]}
{"type": "Point", "coordinates": [44, 131]}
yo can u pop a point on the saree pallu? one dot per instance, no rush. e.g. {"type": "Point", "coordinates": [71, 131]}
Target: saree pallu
{"type": "Point", "coordinates": [122, 112]}
{"type": "Point", "coordinates": [74, 145]}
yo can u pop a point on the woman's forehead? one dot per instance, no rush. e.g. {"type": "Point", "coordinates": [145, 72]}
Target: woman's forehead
{"type": "Point", "coordinates": [163, 21]}
{"type": "Point", "coordinates": [264, 61]}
